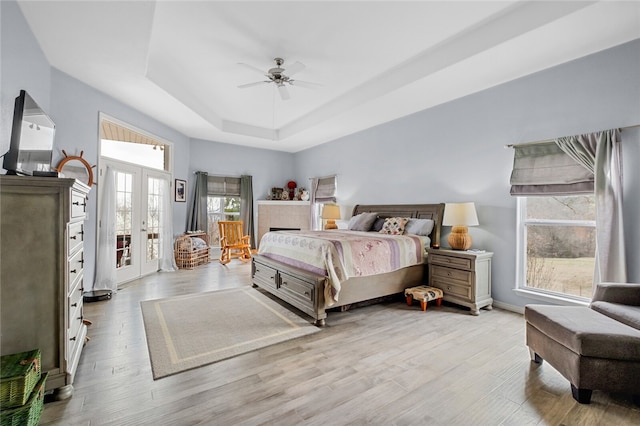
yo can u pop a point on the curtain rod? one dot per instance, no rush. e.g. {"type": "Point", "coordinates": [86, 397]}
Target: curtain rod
{"type": "Point", "coordinates": [511, 145]}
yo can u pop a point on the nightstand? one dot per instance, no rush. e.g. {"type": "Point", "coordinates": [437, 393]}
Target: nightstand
{"type": "Point", "coordinates": [464, 276]}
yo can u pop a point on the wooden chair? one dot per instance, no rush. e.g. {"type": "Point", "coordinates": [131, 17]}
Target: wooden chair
{"type": "Point", "coordinates": [232, 242]}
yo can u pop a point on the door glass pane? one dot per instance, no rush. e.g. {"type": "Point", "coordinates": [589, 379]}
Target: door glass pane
{"type": "Point", "coordinates": [153, 218]}
{"type": "Point", "coordinates": [561, 258]}
{"type": "Point", "coordinates": [124, 214]}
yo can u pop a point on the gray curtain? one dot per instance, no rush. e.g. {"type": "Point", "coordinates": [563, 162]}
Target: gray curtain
{"type": "Point", "coordinates": [198, 209]}
{"type": "Point", "coordinates": [246, 207]}
{"type": "Point", "coordinates": [600, 153]}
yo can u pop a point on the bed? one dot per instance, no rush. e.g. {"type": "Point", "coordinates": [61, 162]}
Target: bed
{"type": "Point", "coordinates": [314, 289]}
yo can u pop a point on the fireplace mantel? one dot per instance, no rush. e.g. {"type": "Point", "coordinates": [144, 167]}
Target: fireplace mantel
{"type": "Point", "coordinates": [283, 214]}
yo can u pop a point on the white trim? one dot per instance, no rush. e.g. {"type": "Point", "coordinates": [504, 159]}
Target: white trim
{"type": "Point", "coordinates": [550, 298]}
{"type": "Point", "coordinates": [508, 307]}
{"type": "Point", "coordinates": [283, 203]}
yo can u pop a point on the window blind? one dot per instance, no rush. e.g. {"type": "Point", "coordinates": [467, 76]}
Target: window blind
{"type": "Point", "coordinates": [326, 191]}
{"type": "Point", "coordinates": [223, 186]}
{"type": "Point", "coordinates": [543, 169]}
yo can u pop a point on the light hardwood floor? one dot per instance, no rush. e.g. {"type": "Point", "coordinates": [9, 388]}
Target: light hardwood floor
{"type": "Point", "coordinates": [384, 364]}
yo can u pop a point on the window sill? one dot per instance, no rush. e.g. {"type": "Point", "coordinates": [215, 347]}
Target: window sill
{"type": "Point", "coordinates": [551, 298]}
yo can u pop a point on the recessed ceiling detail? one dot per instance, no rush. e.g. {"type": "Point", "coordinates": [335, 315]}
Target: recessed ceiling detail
{"type": "Point", "coordinates": [376, 61]}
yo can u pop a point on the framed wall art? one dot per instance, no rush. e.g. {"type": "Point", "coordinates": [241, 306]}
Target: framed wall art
{"type": "Point", "coordinates": [181, 191]}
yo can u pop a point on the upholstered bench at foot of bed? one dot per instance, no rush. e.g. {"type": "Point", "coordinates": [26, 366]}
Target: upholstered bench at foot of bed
{"type": "Point", "coordinates": [591, 350]}
{"type": "Point", "coordinates": [424, 294]}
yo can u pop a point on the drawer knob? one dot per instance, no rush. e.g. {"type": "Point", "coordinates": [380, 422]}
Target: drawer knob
{"type": "Point", "coordinates": [73, 271]}
{"type": "Point", "coordinates": [73, 305]}
{"type": "Point", "coordinates": [72, 237]}
{"type": "Point", "coordinates": [78, 203]}
{"type": "Point", "coordinates": [306, 293]}
{"type": "Point", "coordinates": [72, 339]}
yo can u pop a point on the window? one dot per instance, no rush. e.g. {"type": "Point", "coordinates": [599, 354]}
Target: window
{"type": "Point", "coordinates": [123, 143]}
{"type": "Point", "coordinates": [557, 237]}
{"type": "Point", "coordinates": [220, 208]}
{"type": "Point", "coordinates": [325, 192]}
{"type": "Point", "coordinates": [223, 203]}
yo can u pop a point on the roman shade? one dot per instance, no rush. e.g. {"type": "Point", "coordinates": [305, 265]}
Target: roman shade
{"type": "Point", "coordinates": [326, 190]}
{"type": "Point", "coordinates": [223, 186]}
{"type": "Point", "coordinates": [544, 169]}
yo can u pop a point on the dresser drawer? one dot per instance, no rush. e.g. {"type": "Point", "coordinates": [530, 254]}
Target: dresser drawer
{"type": "Point", "coordinates": [450, 274]}
{"type": "Point", "coordinates": [75, 236]}
{"type": "Point", "coordinates": [76, 264]}
{"type": "Point", "coordinates": [452, 289]}
{"type": "Point", "coordinates": [265, 275]}
{"type": "Point", "coordinates": [75, 323]}
{"type": "Point", "coordinates": [458, 262]}
{"type": "Point", "coordinates": [78, 204]}
{"type": "Point", "coordinates": [75, 302]}
{"type": "Point", "coordinates": [297, 288]}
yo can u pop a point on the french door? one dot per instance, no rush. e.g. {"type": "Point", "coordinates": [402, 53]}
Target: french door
{"type": "Point", "coordinates": [138, 199]}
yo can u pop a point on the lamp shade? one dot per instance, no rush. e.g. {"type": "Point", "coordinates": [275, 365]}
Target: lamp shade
{"type": "Point", "coordinates": [331, 211]}
{"type": "Point", "coordinates": [460, 214]}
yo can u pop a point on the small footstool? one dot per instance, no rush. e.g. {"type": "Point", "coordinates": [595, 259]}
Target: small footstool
{"type": "Point", "coordinates": [424, 294]}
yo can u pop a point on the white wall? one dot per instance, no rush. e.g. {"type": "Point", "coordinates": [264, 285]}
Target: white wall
{"type": "Point", "coordinates": [455, 151]}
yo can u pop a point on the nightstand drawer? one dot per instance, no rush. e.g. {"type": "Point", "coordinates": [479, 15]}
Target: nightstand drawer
{"type": "Point", "coordinates": [265, 274]}
{"type": "Point", "coordinates": [437, 259]}
{"type": "Point", "coordinates": [450, 274]}
{"type": "Point", "coordinates": [451, 289]}
{"type": "Point", "coordinates": [297, 288]}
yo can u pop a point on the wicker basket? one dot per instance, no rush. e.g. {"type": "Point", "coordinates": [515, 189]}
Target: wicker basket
{"type": "Point", "coordinates": [188, 253]}
{"type": "Point", "coordinates": [28, 414]}
{"type": "Point", "coordinates": [19, 373]}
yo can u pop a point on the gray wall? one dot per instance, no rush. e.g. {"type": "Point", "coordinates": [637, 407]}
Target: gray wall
{"type": "Point", "coordinates": [267, 168]}
{"type": "Point", "coordinates": [455, 151]}
{"type": "Point", "coordinates": [452, 152]}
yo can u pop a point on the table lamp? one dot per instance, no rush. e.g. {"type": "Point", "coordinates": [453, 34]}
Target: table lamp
{"type": "Point", "coordinates": [331, 212]}
{"type": "Point", "coordinates": [460, 216]}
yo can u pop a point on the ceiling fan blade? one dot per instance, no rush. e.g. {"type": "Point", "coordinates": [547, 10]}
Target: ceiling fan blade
{"type": "Point", "coordinates": [257, 83]}
{"type": "Point", "coordinates": [284, 93]}
{"type": "Point", "coordinates": [305, 84]}
{"type": "Point", "coordinates": [294, 68]}
{"type": "Point", "coordinates": [252, 68]}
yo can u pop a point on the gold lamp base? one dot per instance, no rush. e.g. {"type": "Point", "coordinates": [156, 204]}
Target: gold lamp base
{"type": "Point", "coordinates": [459, 238]}
{"type": "Point", "coordinates": [331, 224]}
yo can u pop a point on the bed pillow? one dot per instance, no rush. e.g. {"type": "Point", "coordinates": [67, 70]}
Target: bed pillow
{"type": "Point", "coordinates": [419, 227]}
{"type": "Point", "coordinates": [362, 222]}
{"type": "Point", "coordinates": [377, 224]}
{"type": "Point", "coordinates": [394, 225]}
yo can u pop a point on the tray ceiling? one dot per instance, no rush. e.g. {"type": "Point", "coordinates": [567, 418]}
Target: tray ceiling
{"type": "Point", "coordinates": [178, 61]}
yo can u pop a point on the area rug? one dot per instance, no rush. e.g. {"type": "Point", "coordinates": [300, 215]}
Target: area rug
{"type": "Point", "coordinates": [190, 331]}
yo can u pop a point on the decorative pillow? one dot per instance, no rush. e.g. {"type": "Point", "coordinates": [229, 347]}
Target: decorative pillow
{"type": "Point", "coordinates": [419, 227]}
{"type": "Point", "coordinates": [362, 222]}
{"type": "Point", "coordinates": [377, 224]}
{"type": "Point", "coordinates": [394, 225]}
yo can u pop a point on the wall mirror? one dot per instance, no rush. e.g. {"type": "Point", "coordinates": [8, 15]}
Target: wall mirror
{"type": "Point", "coordinates": [74, 166]}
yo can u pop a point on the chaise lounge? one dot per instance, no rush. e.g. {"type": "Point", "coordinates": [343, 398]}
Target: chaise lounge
{"type": "Point", "coordinates": [595, 347]}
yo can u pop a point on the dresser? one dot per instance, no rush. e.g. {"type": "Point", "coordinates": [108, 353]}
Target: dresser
{"type": "Point", "coordinates": [463, 276]}
{"type": "Point", "coordinates": [41, 275]}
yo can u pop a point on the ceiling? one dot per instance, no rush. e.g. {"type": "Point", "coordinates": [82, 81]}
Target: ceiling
{"type": "Point", "coordinates": [179, 61]}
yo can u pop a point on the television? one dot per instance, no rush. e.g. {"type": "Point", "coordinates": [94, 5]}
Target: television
{"type": "Point", "coordinates": [32, 134]}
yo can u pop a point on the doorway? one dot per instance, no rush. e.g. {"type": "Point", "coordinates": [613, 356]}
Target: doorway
{"type": "Point", "coordinates": [138, 196]}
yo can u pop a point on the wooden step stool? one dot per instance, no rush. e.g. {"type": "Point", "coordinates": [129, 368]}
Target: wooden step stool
{"type": "Point", "coordinates": [424, 294]}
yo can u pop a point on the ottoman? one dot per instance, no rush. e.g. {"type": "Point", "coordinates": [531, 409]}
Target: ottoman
{"type": "Point", "coordinates": [424, 294]}
{"type": "Point", "coordinates": [591, 350]}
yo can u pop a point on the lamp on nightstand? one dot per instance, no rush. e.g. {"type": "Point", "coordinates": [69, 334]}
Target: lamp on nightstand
{"type": "Point", "coordinates": [460, 216]}
{"type": "Point", "coordinates": [331, 212]}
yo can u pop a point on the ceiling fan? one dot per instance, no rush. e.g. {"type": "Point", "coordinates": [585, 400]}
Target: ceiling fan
{"type": "Point", "coordinates": [277, 75]}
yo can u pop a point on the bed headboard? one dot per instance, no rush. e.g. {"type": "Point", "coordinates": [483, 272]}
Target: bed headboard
{"type": "Point", "coordinates": [417, 211]}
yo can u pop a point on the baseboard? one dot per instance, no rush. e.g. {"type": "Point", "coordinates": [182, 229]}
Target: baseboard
{"type": "Point", "coordinates": [508, 307]}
